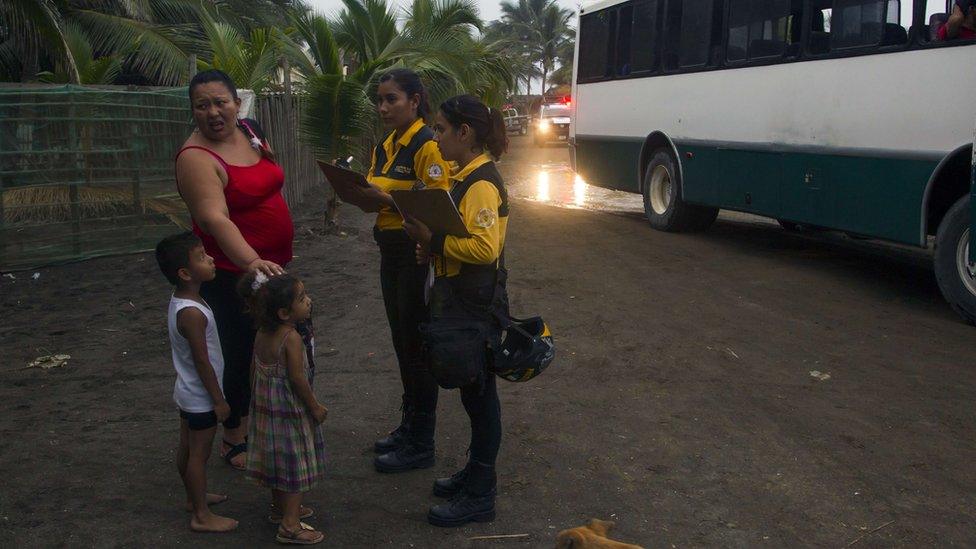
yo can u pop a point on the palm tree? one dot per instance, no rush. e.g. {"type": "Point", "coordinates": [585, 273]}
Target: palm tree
{"type": "Point", "coordinates": [564, 56]}
{"type": "Point", "coordinates": [251, 62]}
{"type": "Point", "coordinates": [153, 38]}
{"type": "Point", "coordinates": [337, 110]}
{"type": "Point", "coordinates": [30, 29]}
{"type": "Point", "coordinates": [513, 41]}
{"type": "Point", "coordinates": [437, 40]}
{"type": "Point", "coordinates": [543, 26]}
{"type": "Point", "coordinates": [102, 70]}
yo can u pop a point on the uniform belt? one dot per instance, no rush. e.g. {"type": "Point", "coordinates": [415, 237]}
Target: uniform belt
{"type": "Point", "coordinates": [390, 237]}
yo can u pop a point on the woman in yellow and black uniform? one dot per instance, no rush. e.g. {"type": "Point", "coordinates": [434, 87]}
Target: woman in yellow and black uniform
{"type": "Point", "coordinates": [407, 159]}
{"type": "Point", "coordinates": [466, 292]}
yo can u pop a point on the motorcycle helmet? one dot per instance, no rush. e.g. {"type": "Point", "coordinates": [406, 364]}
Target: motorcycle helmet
{"type": "Point", "coordinates": [525, 351]}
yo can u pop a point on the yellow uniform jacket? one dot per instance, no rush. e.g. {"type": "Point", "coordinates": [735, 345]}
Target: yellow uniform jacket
{"type": "Point", "coordinates": [410, 162]}
{"type": "Point", "coordinates": [480, 196]}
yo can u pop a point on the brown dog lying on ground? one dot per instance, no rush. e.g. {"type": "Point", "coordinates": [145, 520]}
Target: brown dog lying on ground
{"type": "Point", "coordinates": [591, 536]}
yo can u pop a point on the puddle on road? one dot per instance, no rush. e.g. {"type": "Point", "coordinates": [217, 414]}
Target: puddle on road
{"type": "Point", "coordinates": [557, 185]}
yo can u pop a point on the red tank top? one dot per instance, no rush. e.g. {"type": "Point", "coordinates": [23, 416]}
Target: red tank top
{"type": "Point", "coordinates": [256, 206]}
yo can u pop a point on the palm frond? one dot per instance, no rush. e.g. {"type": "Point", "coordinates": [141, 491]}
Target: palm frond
{"type": "Point", "coordinates": [337, 115]}
{"type": "Point", "coordinates": [35, 26]}
{"type": "Point", "coordinates": [315, 32]}
{"type": "Point", "coordinates": [158, 51]}
{"type": "Point", "coordinates": [459, 15]}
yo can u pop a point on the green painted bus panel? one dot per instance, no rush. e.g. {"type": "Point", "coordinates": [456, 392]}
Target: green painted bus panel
{"type": "Point", "coordinates": [746, 181]}
{"type": "Point", "coordinates": [871, 196]}
{"type": "Point", "coordinates": [879, 197]}
{"type": "Point", "coordinates": [609, 163]}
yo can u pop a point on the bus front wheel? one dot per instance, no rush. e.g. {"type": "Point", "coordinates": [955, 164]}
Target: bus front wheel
{"type": "Point", "coordinates": [956, 278]}
{"type": "Point", "coordinates": [663, 204]}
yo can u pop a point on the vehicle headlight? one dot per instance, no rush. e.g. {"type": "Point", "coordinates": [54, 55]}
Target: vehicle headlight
{"type": "Point", "coordinates": [544, 126]}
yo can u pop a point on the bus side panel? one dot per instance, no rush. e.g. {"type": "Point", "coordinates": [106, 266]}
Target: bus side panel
{"type": "Point", "coordinates": [876, 197]}
{"type": "Point", "coordinates": [609, 163]}
{"type": "Point", "coordinates": [747, 181]}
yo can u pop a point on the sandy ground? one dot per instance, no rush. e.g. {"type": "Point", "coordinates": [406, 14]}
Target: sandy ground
{"type": "Point", "coordinates": [681, 403]}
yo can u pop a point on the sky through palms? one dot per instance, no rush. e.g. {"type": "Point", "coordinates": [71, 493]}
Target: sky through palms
{"type": "Point", "coordinates": [490, 9]}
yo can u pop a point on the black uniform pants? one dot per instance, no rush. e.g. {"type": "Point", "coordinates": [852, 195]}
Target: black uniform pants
{"type": "Point", "coordinates": [402, 282]}
{"type": "Point", "coordinates": [485, 415]}
{"type": "Point", "coordinates": [480, 399]}
{"type": "Point", "coordinates": [236, 331]}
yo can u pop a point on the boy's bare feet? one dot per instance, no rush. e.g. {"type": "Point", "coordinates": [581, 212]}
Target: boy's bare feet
{"type": "Point", "coordinates": [212, 523]}
{"type": "Point", "coordinates": [212, 499]}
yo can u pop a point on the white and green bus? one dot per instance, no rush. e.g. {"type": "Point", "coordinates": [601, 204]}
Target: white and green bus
{"type": "Point", "coordinates": [841, 114]}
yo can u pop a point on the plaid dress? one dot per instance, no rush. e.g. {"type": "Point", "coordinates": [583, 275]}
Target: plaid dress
{"type": "Point", "coordinates": [286, 450]}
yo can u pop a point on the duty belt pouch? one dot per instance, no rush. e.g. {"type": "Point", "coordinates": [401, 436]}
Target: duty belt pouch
{"type": "Point", "coordinates": [456, 338]}
{"type": "Point", "coordinates": [457, 350]}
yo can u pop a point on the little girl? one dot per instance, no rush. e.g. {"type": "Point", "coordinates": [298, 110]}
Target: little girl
{"type": "Point", "coordinates": [286, 451]}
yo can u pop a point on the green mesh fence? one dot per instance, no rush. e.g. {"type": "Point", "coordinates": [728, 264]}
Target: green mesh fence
{"type": "Point", "coordinates": [87, 172]}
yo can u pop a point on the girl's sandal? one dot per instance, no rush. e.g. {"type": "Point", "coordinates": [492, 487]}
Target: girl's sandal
{"type": "Point", "coordinates": [275, 516]}
{"type": "Point", "coordinates": [305, 535]}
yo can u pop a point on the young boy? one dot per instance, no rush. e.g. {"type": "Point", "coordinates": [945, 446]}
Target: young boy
{"type": "Point", "coordinates": [199, 370]}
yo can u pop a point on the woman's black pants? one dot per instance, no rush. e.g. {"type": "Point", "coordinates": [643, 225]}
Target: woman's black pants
{"type": "Point", "coordinates": [236, 331]}
{"type": "Point", "coordinates": [402, 282]}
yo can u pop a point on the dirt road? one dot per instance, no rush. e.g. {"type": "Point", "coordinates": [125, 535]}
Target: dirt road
{"type": "Point", "coordinates": [681, 403]}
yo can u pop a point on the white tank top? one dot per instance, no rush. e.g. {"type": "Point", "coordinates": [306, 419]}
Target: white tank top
{"type": "Point", "coordinates": [189, 393]}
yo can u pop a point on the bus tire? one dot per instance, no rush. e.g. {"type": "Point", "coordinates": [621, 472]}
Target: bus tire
{"type": "Point", "coordinates": [663, 206]}
{"type": "Point", "coordinates": [956, 279]}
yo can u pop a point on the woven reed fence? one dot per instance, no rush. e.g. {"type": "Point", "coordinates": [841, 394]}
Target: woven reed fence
{"type": "Point", "coordinates": [280, 115]}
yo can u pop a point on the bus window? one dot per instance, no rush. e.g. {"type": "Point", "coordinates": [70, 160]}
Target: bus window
{"type": "Point", "coordinates": [625, 29]}
{"type": "Point", "coordinates": [643, 43]}
{"type": "Point", "coordinates": [936, 15]}
{"type": "Point", "coordinates": [692, 32]}
{"type": "Point", "coordinates": [594, 57]}
{"type": "Point", "coordinates": [845, 24]}
{"type": "Point", "coordinates": [898, 21]}
{"type": "Point", "coordinates": [759, 29]}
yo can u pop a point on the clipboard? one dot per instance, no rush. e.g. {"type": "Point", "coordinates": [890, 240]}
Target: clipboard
{"type": "Point", "coordinates": [348, 185]}
{"type": "Point", "coordinates": [434, 208]}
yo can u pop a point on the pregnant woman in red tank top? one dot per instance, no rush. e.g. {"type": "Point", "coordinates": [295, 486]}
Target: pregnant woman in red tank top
{"type": "Point", "coordinates": [232, 186]}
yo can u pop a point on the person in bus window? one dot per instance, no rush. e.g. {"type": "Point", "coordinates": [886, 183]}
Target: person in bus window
{"type": "Point", "coordinates": [962, 22]}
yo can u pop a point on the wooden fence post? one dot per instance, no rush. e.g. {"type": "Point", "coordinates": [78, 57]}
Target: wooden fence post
{"type": "Point", "coordinates": [289, 125]}
{"type": "Point", "coordinates": [3, 231]}
{"type": "Point", "coordinates": [75, 207]}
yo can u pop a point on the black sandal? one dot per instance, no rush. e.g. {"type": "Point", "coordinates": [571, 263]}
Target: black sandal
{"type": "Point", "coordinates": [235, 450]}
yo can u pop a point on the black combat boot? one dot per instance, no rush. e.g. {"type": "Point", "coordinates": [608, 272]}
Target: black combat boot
{"type": "Point", "coordinates": [398, 436]}
{"type": "Point", "coordinates": [474, 503]}
{"type": "Point", "coordinates": [418, 450]}
{"type": "Point", "coordinates": [449, 487]}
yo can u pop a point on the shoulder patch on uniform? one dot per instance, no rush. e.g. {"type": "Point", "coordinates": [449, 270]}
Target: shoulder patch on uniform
{"type": "Point", "coordinates": [486, 218]}
{"type": "Point", "coordinates": [435, 171]}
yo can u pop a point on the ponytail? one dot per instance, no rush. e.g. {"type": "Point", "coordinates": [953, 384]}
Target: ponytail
{"type": "Point", "coordinates": [497, 139]}
{"type": "Point", "coordinates": [488, 124]}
